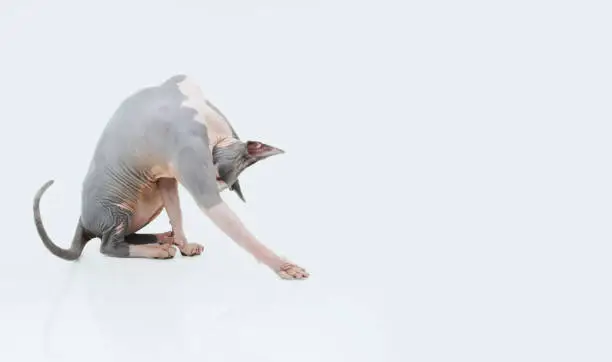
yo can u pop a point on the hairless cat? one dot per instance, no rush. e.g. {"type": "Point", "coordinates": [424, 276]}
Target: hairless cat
{"type": "Point", "coordinates": [159, 137]}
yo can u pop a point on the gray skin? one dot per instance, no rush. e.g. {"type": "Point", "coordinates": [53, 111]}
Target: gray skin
{"type": "Point", "coordinates": [155, 140]}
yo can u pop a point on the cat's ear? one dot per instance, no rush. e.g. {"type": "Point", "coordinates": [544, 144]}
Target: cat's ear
{"type": "Point", "coordinates": [259, 150]}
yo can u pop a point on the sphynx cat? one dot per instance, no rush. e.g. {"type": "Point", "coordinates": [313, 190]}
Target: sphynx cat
{"type": "Point", "coordinates": [161, 136]}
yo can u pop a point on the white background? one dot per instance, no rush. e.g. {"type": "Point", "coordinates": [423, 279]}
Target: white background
{"type": "Point", "coordinates": [447, 181]}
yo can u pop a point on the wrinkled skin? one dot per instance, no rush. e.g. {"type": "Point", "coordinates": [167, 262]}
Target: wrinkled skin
{"type": "Point", "coordinates": [158, 138]}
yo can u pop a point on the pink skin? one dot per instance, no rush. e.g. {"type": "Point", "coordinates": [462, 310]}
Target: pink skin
{"type": "Point", "coordinates": [155, 251]}
{"type": "Point", "coordinates": [229, 223]}
{"type": "Point", "coordinates": [226, 220]}
{"type": "Point", "coordinates": [188, 249]}
{"type": "Point", "coordinates": [168, 188]}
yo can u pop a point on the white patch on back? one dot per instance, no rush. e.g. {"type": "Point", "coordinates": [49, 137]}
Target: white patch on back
{"type": "Point", "coordinates": [196, 100]}
{"type": "Point", "coordinates": [216, 126]}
